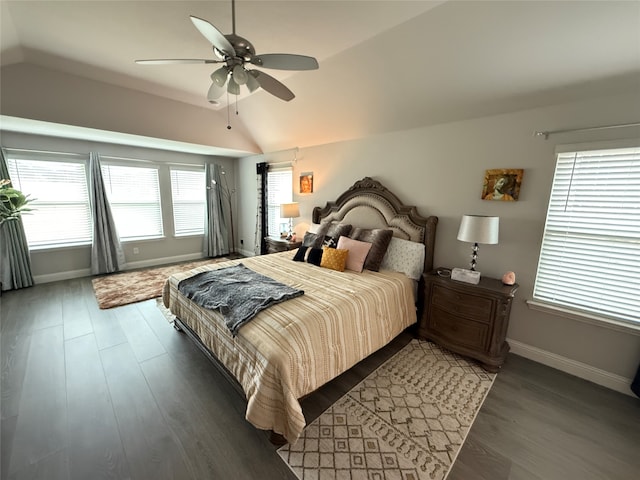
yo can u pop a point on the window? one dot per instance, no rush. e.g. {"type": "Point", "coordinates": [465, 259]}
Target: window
{"type": "Point", "coordinates": [279, 190]}
{"type": "Point", "coordinates": [61, 214]}
{"type": "Point", "coordinates": [188, 195]}
{"type": "Point", "coordinates": [134, 195]}
{"type": "Point", "coordinates": [590, 255]}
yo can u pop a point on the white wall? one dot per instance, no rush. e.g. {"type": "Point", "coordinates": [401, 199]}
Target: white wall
{"type": "Point", "coordinates": [38, 93]}
{"type": "Point", "coordinates": [440, 170]}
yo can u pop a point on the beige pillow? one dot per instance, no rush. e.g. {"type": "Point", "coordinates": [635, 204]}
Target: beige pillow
{"type": "Point", "coordinates": [358, 252]}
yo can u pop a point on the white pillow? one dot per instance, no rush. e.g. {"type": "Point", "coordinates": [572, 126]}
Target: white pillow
{"type": "Point", "coordinates": [404, 256]}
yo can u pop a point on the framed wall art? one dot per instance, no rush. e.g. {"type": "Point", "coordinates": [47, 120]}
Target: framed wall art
{"type": "Point", "coordinates": [502, 184]}
{"type": "Point", "coordinates": [306, 182]}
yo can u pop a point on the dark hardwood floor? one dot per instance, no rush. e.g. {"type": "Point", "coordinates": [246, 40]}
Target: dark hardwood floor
{"type": "Point", "coordinates": [107, 394]}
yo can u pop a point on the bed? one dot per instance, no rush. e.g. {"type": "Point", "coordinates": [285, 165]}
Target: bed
{"type": "Point", "coordinates": [289, 350]}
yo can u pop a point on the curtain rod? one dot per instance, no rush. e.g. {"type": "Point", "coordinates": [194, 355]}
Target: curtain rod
{"type": "Point", "coordinates": [48, 152]}
{"type": "Point", "coordinates": [280, 163]}
{"type": "Point", "coordinates": [546, 134]}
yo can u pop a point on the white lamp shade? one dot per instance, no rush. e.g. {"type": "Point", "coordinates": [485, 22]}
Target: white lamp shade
{"type": "Point", "coordinates": [479, 229]}
{"type": "Point", "coordinates": [289, 210]}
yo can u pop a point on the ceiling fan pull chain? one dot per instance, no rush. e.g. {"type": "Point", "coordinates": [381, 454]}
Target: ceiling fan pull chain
{"type": "Point", "coordinates": [228, 119]}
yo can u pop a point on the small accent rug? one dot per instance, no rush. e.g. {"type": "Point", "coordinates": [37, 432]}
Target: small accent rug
{"type": "Point", "coordinates": [406, 420]}
{"type": "Point", "coordinates": [135, 286]}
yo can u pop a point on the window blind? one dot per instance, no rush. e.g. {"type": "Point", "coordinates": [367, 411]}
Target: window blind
{"type": "Point", "coordinates": [188, 196]}
{"type": "Point", "coordinates": [61, 214]}
{"type": "Point", "coordinates": [279, 190]}
{"type": "Point", "coordinates": [134, 195]}
{"type": "Point", "coordinates": [590, 255]}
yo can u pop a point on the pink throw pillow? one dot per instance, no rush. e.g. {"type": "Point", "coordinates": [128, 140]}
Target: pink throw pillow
{"type": "Point", "coordinates": [358, 252]}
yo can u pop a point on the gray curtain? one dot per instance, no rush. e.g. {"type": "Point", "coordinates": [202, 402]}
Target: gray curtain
{"type": "Point", "coordinates": [15, 263]}
{"type": "Point", "coordinates": [106, 251]}
{"type": "Point", "coordinates": [262, 170]}
{"type": "Point", "coordinates": [216, 232]}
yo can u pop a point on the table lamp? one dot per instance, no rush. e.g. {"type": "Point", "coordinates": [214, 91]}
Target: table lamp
{"type": "Point", "coordinates": [478, 229]}
{"type": "Point", "coordinates": [290, 211]}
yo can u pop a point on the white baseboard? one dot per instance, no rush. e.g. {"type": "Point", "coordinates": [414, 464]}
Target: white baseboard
{"type": "Point", "coordinates": [247, 253]}
{"type": "Point", "coordinates": [86, 272]}
{"type": "Point", "coordinates": [572, 367]}
{"type": "Point", "coordinates": [162, 261]}
{"type": "Point", "coordinates": [58, 276]}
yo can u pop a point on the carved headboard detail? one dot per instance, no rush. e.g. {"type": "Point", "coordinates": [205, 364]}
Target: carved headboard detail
{"type": "Point", "coordinates": [369, 204]}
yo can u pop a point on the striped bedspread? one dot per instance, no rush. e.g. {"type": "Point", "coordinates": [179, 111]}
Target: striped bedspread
{"type": "Point", "coordinates": [289, 350]}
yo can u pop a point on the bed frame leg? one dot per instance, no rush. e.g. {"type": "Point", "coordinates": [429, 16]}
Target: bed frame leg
{"type": "Point", "coordinates": [177, 326]}
{"type": "Point", "coordinates": [277, 439]}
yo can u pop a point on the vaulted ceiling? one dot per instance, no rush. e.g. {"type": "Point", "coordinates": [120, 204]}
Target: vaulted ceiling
{"type": "Point", "coordinates": [384, 65]}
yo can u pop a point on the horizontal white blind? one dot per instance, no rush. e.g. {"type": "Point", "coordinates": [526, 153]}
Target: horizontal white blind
{"type": "Point", "coordinates": [279, 190]}
{"type": "Point", "coordinates": [134, 195]}
{"type": "Point", "coordinates": [61, 214]}
{"type": "Point", "coordinates": [188, 194]}
{"type": "Point", "coordinates": [590, 255]}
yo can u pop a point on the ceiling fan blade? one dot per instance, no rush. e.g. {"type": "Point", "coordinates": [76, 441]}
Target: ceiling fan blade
{"type": "Point", "coordinates": [215, 92]}
{"type": "Point", "coordinates": [285, 61]}
{"type": "Point", "coordinates": [273, 86]}
{"type": "Point", "coordinates": [169, 61]}
{"type": "Point", "coordinates": [214, 36]}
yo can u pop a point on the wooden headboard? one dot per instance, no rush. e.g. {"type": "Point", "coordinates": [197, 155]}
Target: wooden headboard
{"type": "Point", "coordinates": [369, 204]}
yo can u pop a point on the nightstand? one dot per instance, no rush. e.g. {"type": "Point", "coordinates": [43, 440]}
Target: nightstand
{"type": "Point", "coordinates": [470, 320]}
{"type": "Point", "coordinates": [277, 244]}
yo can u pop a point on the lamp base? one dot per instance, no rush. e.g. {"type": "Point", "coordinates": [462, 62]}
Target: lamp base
{"type": "Point", "coordinates": [467, 276]}
{"type": "Point", "coordinates": [474, 257]}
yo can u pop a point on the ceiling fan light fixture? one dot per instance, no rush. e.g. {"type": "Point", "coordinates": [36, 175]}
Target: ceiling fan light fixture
{"type": "Point", "coordinates": [214, 93]}
{"type": "Point", "coordinates": [219, 77]}
{"type": "Point", "coordinates": [240, 75]}
{"type": "Point", "coordinates": [232, 87]}
{"type": "Point", "coordinates": [252, 83]}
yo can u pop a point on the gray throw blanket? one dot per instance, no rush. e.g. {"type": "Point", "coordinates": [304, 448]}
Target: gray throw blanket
{"type": "Point", "coordinates": [238, 292]}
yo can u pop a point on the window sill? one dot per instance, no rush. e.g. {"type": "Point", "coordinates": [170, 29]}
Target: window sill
{"type": "Point", "coordinates": [604, 322]}
{"type": "Point", "coordinates": [55, 248]}
{"type": "Point", "coordinates": [189, 235]}
{"type": "Point", "coordinates": [142, 239]}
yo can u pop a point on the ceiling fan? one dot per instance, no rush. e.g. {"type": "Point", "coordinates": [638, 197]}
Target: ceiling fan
{"type": "Point", "coordinates": [237, 53]}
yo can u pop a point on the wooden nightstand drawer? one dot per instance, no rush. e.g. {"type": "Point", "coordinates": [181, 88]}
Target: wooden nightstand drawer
{"type": "Point", "coordinates": [471, 306]}
{"type": "Point", "coordinates": [467, 333]}
{"type": "Point", "coordinates": [468, 319]}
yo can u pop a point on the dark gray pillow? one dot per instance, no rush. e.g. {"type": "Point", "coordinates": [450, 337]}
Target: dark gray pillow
{"type": "Point", "coordinates": [330, 232]}
{"type": "Point", "coordinates": [379, 239]}
{"type": "Point", "coordinates": [312, 240]}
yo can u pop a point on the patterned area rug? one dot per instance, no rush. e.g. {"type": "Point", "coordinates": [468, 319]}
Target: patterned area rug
{"type": "Point", "coordinates": [130, 287]}
{"type": "Point", "coordinates": [406, 420]}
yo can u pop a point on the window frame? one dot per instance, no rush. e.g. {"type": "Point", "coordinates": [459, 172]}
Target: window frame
{"type": "Point", "coordinates": [274, 208]}
{"type": "Point", "coordinates": [106, 162]}
{"type": "Point", "coordinates": [17, 155]}
{"type": "Point", "coordinates": [568, 311]}
{"type": "Point", "coordinates": [183, 168]}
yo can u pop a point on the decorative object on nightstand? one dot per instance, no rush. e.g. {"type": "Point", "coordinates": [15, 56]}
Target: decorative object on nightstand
{"type": "Point", "coordinates": [509, 278]}
{"type": "Point", "coordinates": [467, 319]}
{"type": "Point", "coordinates": [290, 211]}
{"type": "Point", "coordinates": [277, 244]}
{"type": "Point", "coordinates": [478, 229]}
